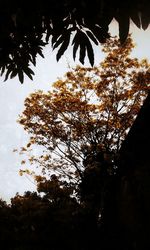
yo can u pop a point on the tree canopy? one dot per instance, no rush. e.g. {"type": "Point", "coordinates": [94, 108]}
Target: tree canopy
{"type": "Point", "coordinates": [27, 26]}
{"type": "Point", "coordinates": [87, 113]}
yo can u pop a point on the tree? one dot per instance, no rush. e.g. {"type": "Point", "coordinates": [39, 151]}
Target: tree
{"type": "Point", "coordinates": [79, 127]}
{"type": "Point", "coordinates": [38, 222]}
{"type": "Point", "coordinates": [22, 39]}
{"type": "Point", "coordinates": [80, 124]}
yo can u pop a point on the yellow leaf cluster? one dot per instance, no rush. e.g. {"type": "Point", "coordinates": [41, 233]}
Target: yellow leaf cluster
{"type": "Point", "coordinates": [89, 108]}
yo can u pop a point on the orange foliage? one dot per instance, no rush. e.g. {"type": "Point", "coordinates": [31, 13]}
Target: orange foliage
{"type": "Point", "coordinates": [89, 110]}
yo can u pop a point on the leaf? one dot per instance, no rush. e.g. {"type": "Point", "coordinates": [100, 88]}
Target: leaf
{"type": "Point", "coordinates": [90, 53]}
{"type": "Point", "coordinates": [55, 35]}
{"type": "Point", "coordinates": [75, 48]}
{"type": "Point", "coordinates": [100, 33]}
{"type": "Point", "coordinates": [28, 145]}
{"type": "Point", "coordinates": [82, 52]}
{"type": "Point", "coordinates": [14, 73]}
{"type": "Point", "coordinates": [21, 172]}
{"type": "Point", "coordinates": [28, 72]}
{"type": "Point", "coordinates": [3, 69]}
{"type": "Point", "coordinates": [54, 38]}
{"type": "Point", "coordinates": [9, 70]}
{"type": "Point", "coordinates": [57, 30]}
{"type": "Point", "coordinates": [48, 34]}
{"type": "Point", "coordinates": [58, 42]}
{"type": "Point", "coordinates": [21, 76]}
{"type": "Point", "coordinates": [63, 47]}
{"type": "Point", "coordinates": [39, 51]}
{"type": "Point", "coordinates": [82, 40]}
{"type": "Point", "coordinates": [85, 45]}
{"type": "Point", "coordinates": [92, 37]}
{"type": "Point", "coordinates": [145, 19]}
{"type": "Point", "coordinates": [33, 59]}
{"type": "Point", "coordinates": [76, 44]}
{"type": "Point", "coordinates": [124, 23]}
{"type": "Point", "coordinates": [136, 19]}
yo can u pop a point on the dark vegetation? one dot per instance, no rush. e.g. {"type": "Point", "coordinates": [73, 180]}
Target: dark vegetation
{"type": "Point", "coordinates": [27, 26]}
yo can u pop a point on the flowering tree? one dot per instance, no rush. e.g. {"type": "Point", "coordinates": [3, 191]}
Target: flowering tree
{"type": "Point", "coordinates": [87, 114]}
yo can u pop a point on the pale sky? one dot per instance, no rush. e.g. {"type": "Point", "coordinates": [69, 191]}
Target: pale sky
{"type": "Point", "coordinates": [13, 94]}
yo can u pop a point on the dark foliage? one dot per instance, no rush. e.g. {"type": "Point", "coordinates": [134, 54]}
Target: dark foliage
{"type": "Point", "coordinates": [27, 26]}
{"type": "Point", "coordinates": [58, 221]}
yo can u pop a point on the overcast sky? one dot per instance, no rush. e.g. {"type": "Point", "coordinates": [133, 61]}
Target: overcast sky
{"type": "Point", "coordinates": [12, 95]}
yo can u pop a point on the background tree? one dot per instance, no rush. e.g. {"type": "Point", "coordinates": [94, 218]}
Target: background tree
{"type": "Point", "coordinates": [54, 220]}
{"type": "Point", "coordinates": [61, 23]}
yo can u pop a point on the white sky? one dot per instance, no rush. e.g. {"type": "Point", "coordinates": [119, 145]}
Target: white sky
{"type": "Point", "coordinates": [12, 95]}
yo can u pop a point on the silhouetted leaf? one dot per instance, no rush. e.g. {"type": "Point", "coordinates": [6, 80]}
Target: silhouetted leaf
{"type": "Point", "coordinates": [29, 72]}
{"type": "Point", "coordinates": [14, 73]}
{"type": "Point", "coordinates": [57, 31]}
{"type": "Point", "coordinates": [63, 47]}
{"type": "Point", "coordinates": [3, 69]}
{"type": "Point", "coordinates": [82, 52]}
{"type": "Point", "coordinates": [145, 20]}
{"type": "Point", "coordinates": [21, 76]}
{"type": "Point", "coordinates": [33, 59]}
{"type": "Point", "coordinates": [75, 43]}
{"type": "Point", "coordinates": [90, 53]}
{"type": "Point", "coordinates": [75, 48]}
{"type": "Point", "coordinates": [100, 33]}
{"type": "Point", "coordinates": [9, 70]}
{"type": "Point", "coordinates": [58, 42]}
{"type": "Point", "coordinates": [49, 31]}
{"type": "Point", "coordinates": [25, 36]}
{"type": "Point", "coordinates": [92, 37]}
{"type": "Point", "coordinates": [54, 38]}
{"type": "Point", "coordinates": [136, 19]}
{"type": "Point", "coordinates": [82, 40]}
{"type": "Point", "coordinates": [39, 51]}
{"type": "Point", "coordinates": [124, 23]}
